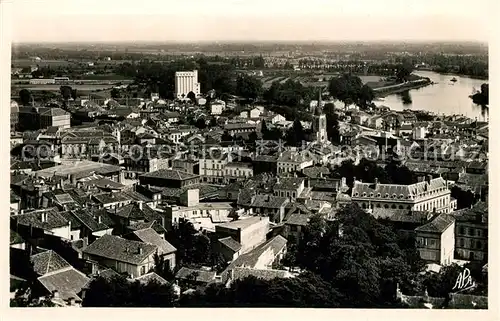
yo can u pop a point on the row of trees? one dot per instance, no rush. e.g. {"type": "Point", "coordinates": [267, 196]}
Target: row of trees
{"type": "Point", "coordinates": [367, 171]}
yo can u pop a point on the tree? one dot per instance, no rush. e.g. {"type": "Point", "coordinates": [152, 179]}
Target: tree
{"type": "Point", "coordinates": [192, 247]}
{"type": "Point", "coordinates": [192, 96]}
{"type": "Point", "coordinates": [66, 92]}
{"type": "Point", "coordinates": [398, 173]}
{"type": "Point", "coordinates": [213, 122]}
{"type": "Point", "coordinates": [295, 135]}
{"type": "Point", "coordinates": [465, 199]}
{"type": "Point", "coordinates": [366, 96]}
{"type": "Point", "coordinates": [332, 123]}
{"type": "Point", "coordinates": [200, 123]}
{"type": "Point", "coordinates": [115, 93]}
{"type": "Point", "coordinates": [120, 292]}
{"type": "Point", "coordinates": [348, 89]}
{"type": "Point", "coordinates": [162, 268]}
{"type": "Point", "coordinates": [25, 97]}
{"type": "Point", "coordinates": [248, 87]}
{"type": "Point", "coordinates": [252, 138]}
{"type": "Point", "coordinates": [226, 137]}
{"type": "Point", "coordinates": [404, 71]}
{"type": "Point", "coordinates": [305, 290]}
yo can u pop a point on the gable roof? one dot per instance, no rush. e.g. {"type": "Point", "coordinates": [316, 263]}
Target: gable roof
{"type": "Point", "coordinates": [230, 243]}
{"type": "Point", "coordinates": [54, 219]}
{"type": "Point", "coordinates": [150, 277]}
{"type": "Point", "coordinates": [201, 275]}
{"type": "Point", "coordinates": [120, 249]}
{"type": "Point", "coordinates": [48, 262]}
{"type": "Point", "coordinates": [438, 225]}
{"type": "Point", "coordinates": [148, 235]}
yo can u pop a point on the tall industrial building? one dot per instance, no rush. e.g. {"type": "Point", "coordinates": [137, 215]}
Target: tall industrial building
{"type": "Point", "coordinates": [185, 82]}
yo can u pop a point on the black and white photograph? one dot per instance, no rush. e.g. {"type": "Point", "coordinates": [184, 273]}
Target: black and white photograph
{"type": "Point", "coordinates": [249, 154]}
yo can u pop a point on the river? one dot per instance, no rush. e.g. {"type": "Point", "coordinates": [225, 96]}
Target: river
{"type": "Point", "coordinates": [444, 97]}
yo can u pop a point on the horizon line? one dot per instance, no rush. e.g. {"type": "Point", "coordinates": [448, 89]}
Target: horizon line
{"type": "Point", "coordinates": [253, 41]}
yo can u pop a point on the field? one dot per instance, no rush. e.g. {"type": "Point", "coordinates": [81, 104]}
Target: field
{"type": "Point", "coordinates": [22, 63]}
{"type": "Point", "coordinates": [85, 87]}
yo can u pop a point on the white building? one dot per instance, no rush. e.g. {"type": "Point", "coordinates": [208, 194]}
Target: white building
{"type": "Point", "coordinates": [419, 132]}
{"type": "Point", "coordinates": [185, 82]}
{"type": "Point", "coordinates": [217, 107]}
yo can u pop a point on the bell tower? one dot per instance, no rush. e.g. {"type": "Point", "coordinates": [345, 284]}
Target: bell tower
{"type": "Point", "coordinates": [319, 122]}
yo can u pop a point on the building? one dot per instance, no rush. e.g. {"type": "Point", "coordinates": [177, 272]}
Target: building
{"type": "Point", "coordinates": [320, 134]}
{"type": "Point", "coordinates": [432, 194]}
{"type": "Point", "coordinates": [149, 236]}
{"type": "Point", "coordinates": [234, 171]}
{"type": "Point", "coordinates": [436, 240]}
{"type": "Point", "coordinates": [201, 215]}
{"type": "Point", "coordinates": [124, 256]}
{"type": "Point", "coordinates": [265, 164]}
{"type": "Point", "coordinates": [169, 178]}
{"type": "Point", "coordinates": [471, 233]}
{"type": "Point", "coordinates": [42, 81]}
{"type": "Point", "coordinates": [289, 187]}
{"type": "Point", "coordinates": [14, 115]}
{"type": "Point", "coordinates": [291, 161]}
{"type": "Point", "coordinates": [34, 118]}
{"type": "Point", "coordinates": [249, 232]}
{"type": "Point", "coordinates": [217, 107]}
{"type": "Point", "coordinates": [186, 82]}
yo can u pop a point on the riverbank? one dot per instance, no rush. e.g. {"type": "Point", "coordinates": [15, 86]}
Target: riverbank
{"type": "Point", "coordinates": [394, 89]}
{"type": "Point", "coordinates": [460, 75]}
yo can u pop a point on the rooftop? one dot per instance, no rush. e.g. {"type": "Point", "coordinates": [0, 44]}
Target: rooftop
{"type": "Point", "coordinates": [241, 224]}
{"type": "Point", "coordinates": [120, 249]}
{"type": "Point", "coordinates": [438, 225]}
{"type": "Point", "coordinates": [170, 174]}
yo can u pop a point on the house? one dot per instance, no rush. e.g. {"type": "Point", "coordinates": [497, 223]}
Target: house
{"type": "Point", "coordinates": [277, 118]}
{"type": "Point", "coordinates": [49, 220]}
{"type": "Point", "coordinates": [169, 178]}
{"type": "Point", "coordinates": [263, 257]}
{"type": "Point", "coordinates": [228, 247]}
{"type": "Point", "coordinates": [149, 236]}
{"type": "Point", "coordinates": [436, 240]}
{"type": "Point", "coordinates": [289, 187]}
{"type": "Point", "coordinates": [55, 277]}
{"type": "Point", "coordinates": [291, 161]}
{"type": "Point", "coordinates": [249, 232]}
{"type": "Point", "coordinates": [188, 277]}
{"type": "Point", "coordinates": [265, 164]}
{"type": "Point", "coordinates": [201, 215]}
{"type": "Point", "coordinates": [134, 258]}
{"type": "Point", "coordinates": [295, 225]}
{"type": "Point", "coordinates": [471, 233]}
{"type": "Point", "coordinates": [268, 205]}
{"type": "Point", "coordinates": [217, 107]}
{"type": "Point", "coordinates": [237, 170]}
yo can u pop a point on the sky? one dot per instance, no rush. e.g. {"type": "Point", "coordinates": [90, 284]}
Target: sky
{"type": "Point", "coordinates": [249, 20]}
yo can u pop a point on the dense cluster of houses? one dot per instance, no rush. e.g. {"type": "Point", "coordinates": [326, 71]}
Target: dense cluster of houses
{"type": "Point", "coordinates": [98, 199]}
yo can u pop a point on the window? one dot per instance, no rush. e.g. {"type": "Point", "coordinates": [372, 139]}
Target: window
{"type": "Point", "coordinates": [479, 245]}
{"type": "Point", "coordinates": [386, 206]}
{"type": "Point", "coordinates": [400, 207]}
{"type": "Point", "coordinates": [462, 243]}
{"type": "Point", "coordinates": [462, 230]}
{"type": "Point", "coordinates": [471, 231]}
{"type": "Point", "coordinates": [478, 232]}
{"type": "Point", "coordinates": [143, 270]}
{"type": "Point", "coordinates": [432, 242]}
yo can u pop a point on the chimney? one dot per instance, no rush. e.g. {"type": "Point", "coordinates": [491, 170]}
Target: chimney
{"type": "Point", "coordinates": [428, 179]}
{"type": "Point", "coordinates": [55, 294]}
{"type": "Point", "coordinates": [44, 217]}
{"type": "Point", "coordinates": [99, 219]}
{"type": "Point", "coordinates": [71, 301]}
{"type": "Point", "coordinates": [376, 182]}
{"type": "Point", "coordinates": [139, 250]}
{"type": "Point", "coordinates": [73, 180]}
{"type": "Point", "coordinates": [140, 205]}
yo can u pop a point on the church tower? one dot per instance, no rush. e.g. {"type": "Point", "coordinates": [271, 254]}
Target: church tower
{"type": "Point", "coordinates": [319, 122]}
